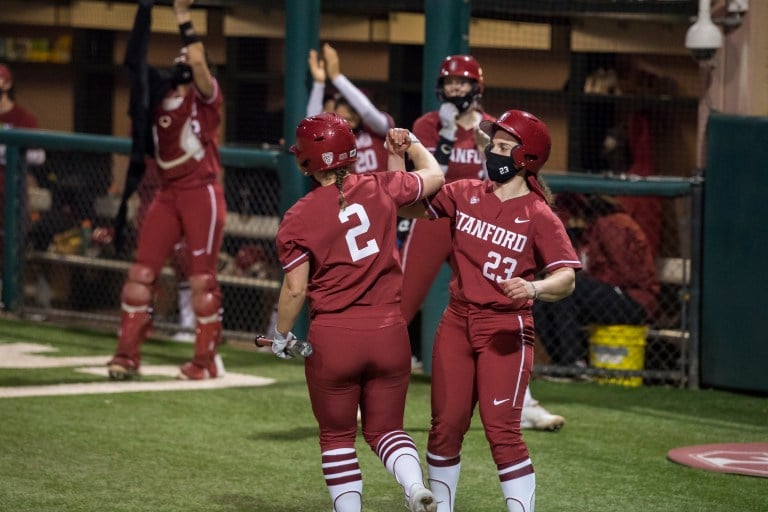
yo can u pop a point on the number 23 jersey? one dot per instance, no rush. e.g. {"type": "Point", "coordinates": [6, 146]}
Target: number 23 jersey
{"type": "Point", "coordinates": [352, 252]}
{"type": "Point", "coordinates": [495, 240]}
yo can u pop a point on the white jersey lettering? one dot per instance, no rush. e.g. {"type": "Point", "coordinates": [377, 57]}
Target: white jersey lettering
{"type": "Point", "coordinates": [488, 232]}
{"type": "Point", "coordinates": [466, 156]}
{"type": "Point", "coordinates": [366, 161]}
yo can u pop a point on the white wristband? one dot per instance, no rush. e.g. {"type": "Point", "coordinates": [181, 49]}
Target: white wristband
{"type": "Point", "coordinates": [535, 291]}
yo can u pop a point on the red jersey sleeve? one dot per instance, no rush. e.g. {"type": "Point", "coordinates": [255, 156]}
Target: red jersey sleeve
{"type": "Point", "coordinates": [291, 245]}
{"type": "Point", "coordinates": [442, 203]}
{"type": "Point", "coordinates": [553, 247]}
{"type": "Point", "coordinates": [403, 187]}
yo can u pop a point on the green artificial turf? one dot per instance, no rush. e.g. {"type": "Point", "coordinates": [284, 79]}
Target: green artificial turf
{"type": "Point", "coordinates": [256, 449]}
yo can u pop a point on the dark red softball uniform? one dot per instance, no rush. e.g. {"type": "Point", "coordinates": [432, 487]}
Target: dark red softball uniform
{"type": "Point", "coordinates": [190, 202]}
{"type": "Point", "coordinates": [483, 349]}
{"type": "Point", "coordinates": [362, 351]}
{"type": "Point", "coordinates": [186, 137]}
{"type": "Point", "coordinates": [371, 155]}
{"type": "Point", "coordinates": [465, 161]}
{"type": "Point", "coordinates": [429, 243]}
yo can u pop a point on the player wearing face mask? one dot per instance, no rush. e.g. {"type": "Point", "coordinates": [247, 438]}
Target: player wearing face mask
{"type": "Point", "coordinates": [454, 136]}
{"type": "Point", "coordinates": [450, 134]}
{"type": "Point", "coordinates": [176, 115]}
{"type": "Point", "coordinates": [504, 235]}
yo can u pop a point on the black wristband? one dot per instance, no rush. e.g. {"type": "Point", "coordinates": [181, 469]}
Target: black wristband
{"type": "Point", "coordinates": [188, 34]}
{"type": "Point", "coordinates": [443, 150]}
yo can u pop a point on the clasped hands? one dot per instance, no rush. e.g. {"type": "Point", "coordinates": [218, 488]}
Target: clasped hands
{"type": "Point", "coordinates": [399, 140]}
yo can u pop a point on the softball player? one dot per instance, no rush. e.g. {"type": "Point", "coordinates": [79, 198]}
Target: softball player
{"type": "Point", "coordinates": [450, 134]}
{"type": "Point", "coordinates": [190, 203]}
{"type": "Point", "coordinates": [338, 249]}
{"type": "Point", "coordinates": [369, 124]}
{"type": "Point", "coordinates": [504, 234]}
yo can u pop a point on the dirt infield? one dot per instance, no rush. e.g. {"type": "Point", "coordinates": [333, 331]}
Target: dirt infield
{"type": "Point", "coordinates": [738, 458]}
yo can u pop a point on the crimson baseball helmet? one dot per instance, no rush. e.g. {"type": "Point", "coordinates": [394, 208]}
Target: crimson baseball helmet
{"type": "Point", "coordinates": [464, 66]}
{"type": "Point", "coordinates": [533, 134]}
{"type": "Point", "coordinates": [324, 142]}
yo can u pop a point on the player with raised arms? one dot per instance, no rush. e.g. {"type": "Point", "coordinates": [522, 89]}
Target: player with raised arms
{"type": "Point", "coordinates": [175, 116]}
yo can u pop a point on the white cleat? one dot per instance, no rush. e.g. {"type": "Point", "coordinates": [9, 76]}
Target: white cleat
{"type": "Point", "coordinates": [536, 417]}
{"type": "Point", "coordinates": [421, 500]}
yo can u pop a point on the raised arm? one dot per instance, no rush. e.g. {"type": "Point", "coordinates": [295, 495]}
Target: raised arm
{"type": "Point", "coordinates": [201, 73]}
{"type": "Point", "coordinates": [401, 141]}
{"type": "Point", "coordinates": [372, 117]}
{"type": "Point", "coordinates": [317, 69]}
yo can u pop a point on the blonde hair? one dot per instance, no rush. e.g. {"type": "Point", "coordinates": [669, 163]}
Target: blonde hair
{"type": "Point", "coordinates": [546, 190]}
{"type": "Point", "coordinates": [339, 174]}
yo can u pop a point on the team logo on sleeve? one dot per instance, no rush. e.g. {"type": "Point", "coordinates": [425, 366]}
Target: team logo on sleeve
{"type": "Point", "coordinates": [327, 158]}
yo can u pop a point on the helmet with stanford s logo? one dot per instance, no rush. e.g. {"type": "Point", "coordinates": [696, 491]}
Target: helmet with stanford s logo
{"type": "Point", "coordinates": [324, 142]}
{"type": "Point", "coordinates": [533, 134]}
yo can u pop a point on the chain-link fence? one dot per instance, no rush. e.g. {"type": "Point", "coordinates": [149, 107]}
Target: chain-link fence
{"type": "Point", "coordinates": [69, 268]}
{"type": "Point", "coordinates": [637, 328]}
{"type": "Point", "coordinates": [612, 80]}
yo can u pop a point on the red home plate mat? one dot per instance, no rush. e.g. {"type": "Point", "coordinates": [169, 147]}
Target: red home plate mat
{"type": "Point", "coordinates": [739, 458]}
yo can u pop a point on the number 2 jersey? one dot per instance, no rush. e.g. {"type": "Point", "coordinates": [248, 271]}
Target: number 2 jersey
{"type": "Point", "coordinates": [495, 240]}
{"type": "Point", "coordinates": [352, 252]}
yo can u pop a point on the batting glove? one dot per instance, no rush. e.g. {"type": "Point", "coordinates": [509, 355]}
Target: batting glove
{"type": "Point", "coordinates": [448, 113]}
{"type": "Point", "coordinates": [280, 343]}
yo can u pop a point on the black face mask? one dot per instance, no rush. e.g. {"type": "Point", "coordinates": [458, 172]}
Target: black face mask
{"type": "Point", "coordinates": [500, 168]}
{"type": "Point", "coordinates": [462, 102]}
{"type": "Point", "coordinates": [181, 74]}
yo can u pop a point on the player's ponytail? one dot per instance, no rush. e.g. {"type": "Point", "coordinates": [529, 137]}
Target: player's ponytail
{"type": "Point", "coordinates": [341, 173]}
